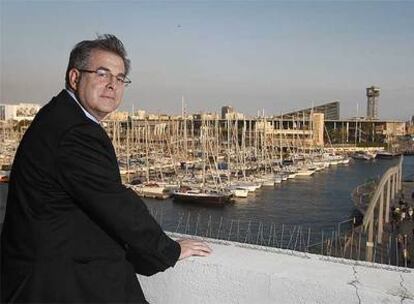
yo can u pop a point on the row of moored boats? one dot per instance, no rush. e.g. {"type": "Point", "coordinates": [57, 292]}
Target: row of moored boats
{"type": "Point", "coordinates": [218, 187]}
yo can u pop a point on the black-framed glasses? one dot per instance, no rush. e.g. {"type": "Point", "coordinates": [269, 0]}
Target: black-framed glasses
{"type": "Point", "coordinates": [105, 76]}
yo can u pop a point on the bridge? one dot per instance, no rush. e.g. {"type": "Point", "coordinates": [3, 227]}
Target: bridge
{"type": "Point", "coordinates": [378, 212]}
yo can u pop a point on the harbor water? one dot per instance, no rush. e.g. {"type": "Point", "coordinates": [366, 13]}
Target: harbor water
{"type": "Point", "coordinates": [319, 202]}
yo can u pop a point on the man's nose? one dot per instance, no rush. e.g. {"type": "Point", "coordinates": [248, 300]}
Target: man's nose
{"type": "Point", "coordinates": [112, 84]}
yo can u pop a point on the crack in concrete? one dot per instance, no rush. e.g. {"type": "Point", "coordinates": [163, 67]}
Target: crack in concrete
{"type": "Point", "coordinates": [355, 283]}
{"type": "Point", "coordinates": [405, 295]}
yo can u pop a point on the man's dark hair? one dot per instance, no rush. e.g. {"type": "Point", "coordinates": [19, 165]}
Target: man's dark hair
{"type": "Point", "coordinates": [79, 56]}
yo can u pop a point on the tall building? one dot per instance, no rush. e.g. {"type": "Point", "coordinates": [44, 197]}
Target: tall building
{"type": "Point", "coordinates": [225, 110]}
{"type": "Point", "coordinates": [318, 127]}
{"type": "Point", "coordinates": [372, 102]}
{"type": "Point", "coordinates": [2, 112]}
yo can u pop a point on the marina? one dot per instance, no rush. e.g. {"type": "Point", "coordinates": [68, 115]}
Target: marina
{"type": "Point", "coordinates": [264, 181]}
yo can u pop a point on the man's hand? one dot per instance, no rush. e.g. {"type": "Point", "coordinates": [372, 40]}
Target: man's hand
{"type": "Point", "coordinates": [193, 247]}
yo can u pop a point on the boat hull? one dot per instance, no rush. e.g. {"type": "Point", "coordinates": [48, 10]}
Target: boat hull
{"type": "Point", "coordinates": [214, 200]}
{"type": "Point", "coordinates": [387, 155]}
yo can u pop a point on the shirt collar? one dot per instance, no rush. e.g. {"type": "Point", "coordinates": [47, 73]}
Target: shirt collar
{"type": "Point", "coordinates": [83, 109]}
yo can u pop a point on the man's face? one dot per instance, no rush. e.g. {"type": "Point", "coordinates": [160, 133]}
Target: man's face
{"type": "Point", "coordinates": [99, 97]}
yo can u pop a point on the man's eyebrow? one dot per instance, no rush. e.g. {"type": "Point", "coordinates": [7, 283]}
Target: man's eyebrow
{"type": "Point", "coordinates": [103, 68]}
{"type": "Point", "coordinates": [109, 70]}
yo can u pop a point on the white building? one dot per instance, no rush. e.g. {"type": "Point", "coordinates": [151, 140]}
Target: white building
{"type": "Point", "coordinates": [138, 115]}
{"type": "Point", "coordinates": [234, 116]}
{"type": "Point", "coordinates": [21, 111]}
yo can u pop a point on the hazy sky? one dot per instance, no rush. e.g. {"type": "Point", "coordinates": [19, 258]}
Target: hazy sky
{"type": "Point", "coordinates": [254, 55]}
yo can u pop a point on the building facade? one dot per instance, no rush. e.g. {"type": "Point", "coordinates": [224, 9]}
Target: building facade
{"type": "Point", "coordinates": [21, 111]}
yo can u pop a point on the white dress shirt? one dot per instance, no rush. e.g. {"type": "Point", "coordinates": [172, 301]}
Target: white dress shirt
{"type": "Point", "coordinates": [83, 109]}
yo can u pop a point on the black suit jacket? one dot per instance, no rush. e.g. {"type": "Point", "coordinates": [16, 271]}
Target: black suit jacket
{"type": "Point", "coordinates": [72, 232]}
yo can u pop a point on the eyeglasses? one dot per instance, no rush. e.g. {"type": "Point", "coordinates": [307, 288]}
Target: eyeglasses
{"type": "Point", "coordinates": [105, 76]}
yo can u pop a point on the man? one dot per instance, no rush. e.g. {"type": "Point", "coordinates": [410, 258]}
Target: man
{"type": "Point", "coordinates": [72, 232]}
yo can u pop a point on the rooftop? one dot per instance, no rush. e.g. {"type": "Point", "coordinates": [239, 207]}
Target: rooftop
{"type": "Point", "coordinates": [242, 273]}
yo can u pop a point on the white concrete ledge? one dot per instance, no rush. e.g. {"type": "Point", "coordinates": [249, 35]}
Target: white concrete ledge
{"type": "Point", "coordinates": [241, 273]}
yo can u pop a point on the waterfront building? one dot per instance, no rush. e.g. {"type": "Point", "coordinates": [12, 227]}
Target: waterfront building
{"type": "Point", "coordinates": [330, 110]}
{"type": "Point", "coordinates": [206, 116]}
{"type": "Point", "coordinates": [118, 116]}
{"type": "Point", "coordinates": [310, 128]}
{"type": "Point", "coordinates": [226, 110]}
{"type": "Point", "coordinates": [138, 115]}
{"type": "Point", "coordinates": [410, 126]}
{"type": "Point", "coordinates": [318, 125]}
{"type": "Point", "coordinates": [234, 116]}
{"type": "Point", "coordinates": [357, 131]}
{"type": "Point", "coordinates": [21, 111]}
{"type": "Point", "coordinates": [353, 131]}
{"type": "Point", "coordinates": [229, 113]}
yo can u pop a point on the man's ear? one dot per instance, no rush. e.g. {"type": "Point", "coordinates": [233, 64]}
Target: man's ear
{"type": "Point", "coordinates": [74, 77]}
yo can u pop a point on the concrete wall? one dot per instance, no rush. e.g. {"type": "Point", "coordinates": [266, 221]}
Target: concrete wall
{"type": "Point", "coordinates": [241, 273]}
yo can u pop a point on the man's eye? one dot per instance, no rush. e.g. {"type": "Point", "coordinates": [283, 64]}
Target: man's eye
{"type": "Point", "coordinates": [102, 74]}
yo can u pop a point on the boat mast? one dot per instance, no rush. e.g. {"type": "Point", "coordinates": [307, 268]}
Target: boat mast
{"type": "Point", "coordinates": [228, 149]}
{"type": "Point", "coordinates": [146, 149]}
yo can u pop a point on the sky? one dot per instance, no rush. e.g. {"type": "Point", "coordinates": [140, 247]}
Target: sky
{"type": "Point", "coordinates": [253, 55]}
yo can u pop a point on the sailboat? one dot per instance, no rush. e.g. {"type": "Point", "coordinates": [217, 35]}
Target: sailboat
{"type": "Point", "coordinates": [203, 194]}
{"type": "Point", "coordinates": [364, 155]}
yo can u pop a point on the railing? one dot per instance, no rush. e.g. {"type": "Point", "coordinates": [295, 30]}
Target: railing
{"type": "Point", "coordinates": [346, 239]}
